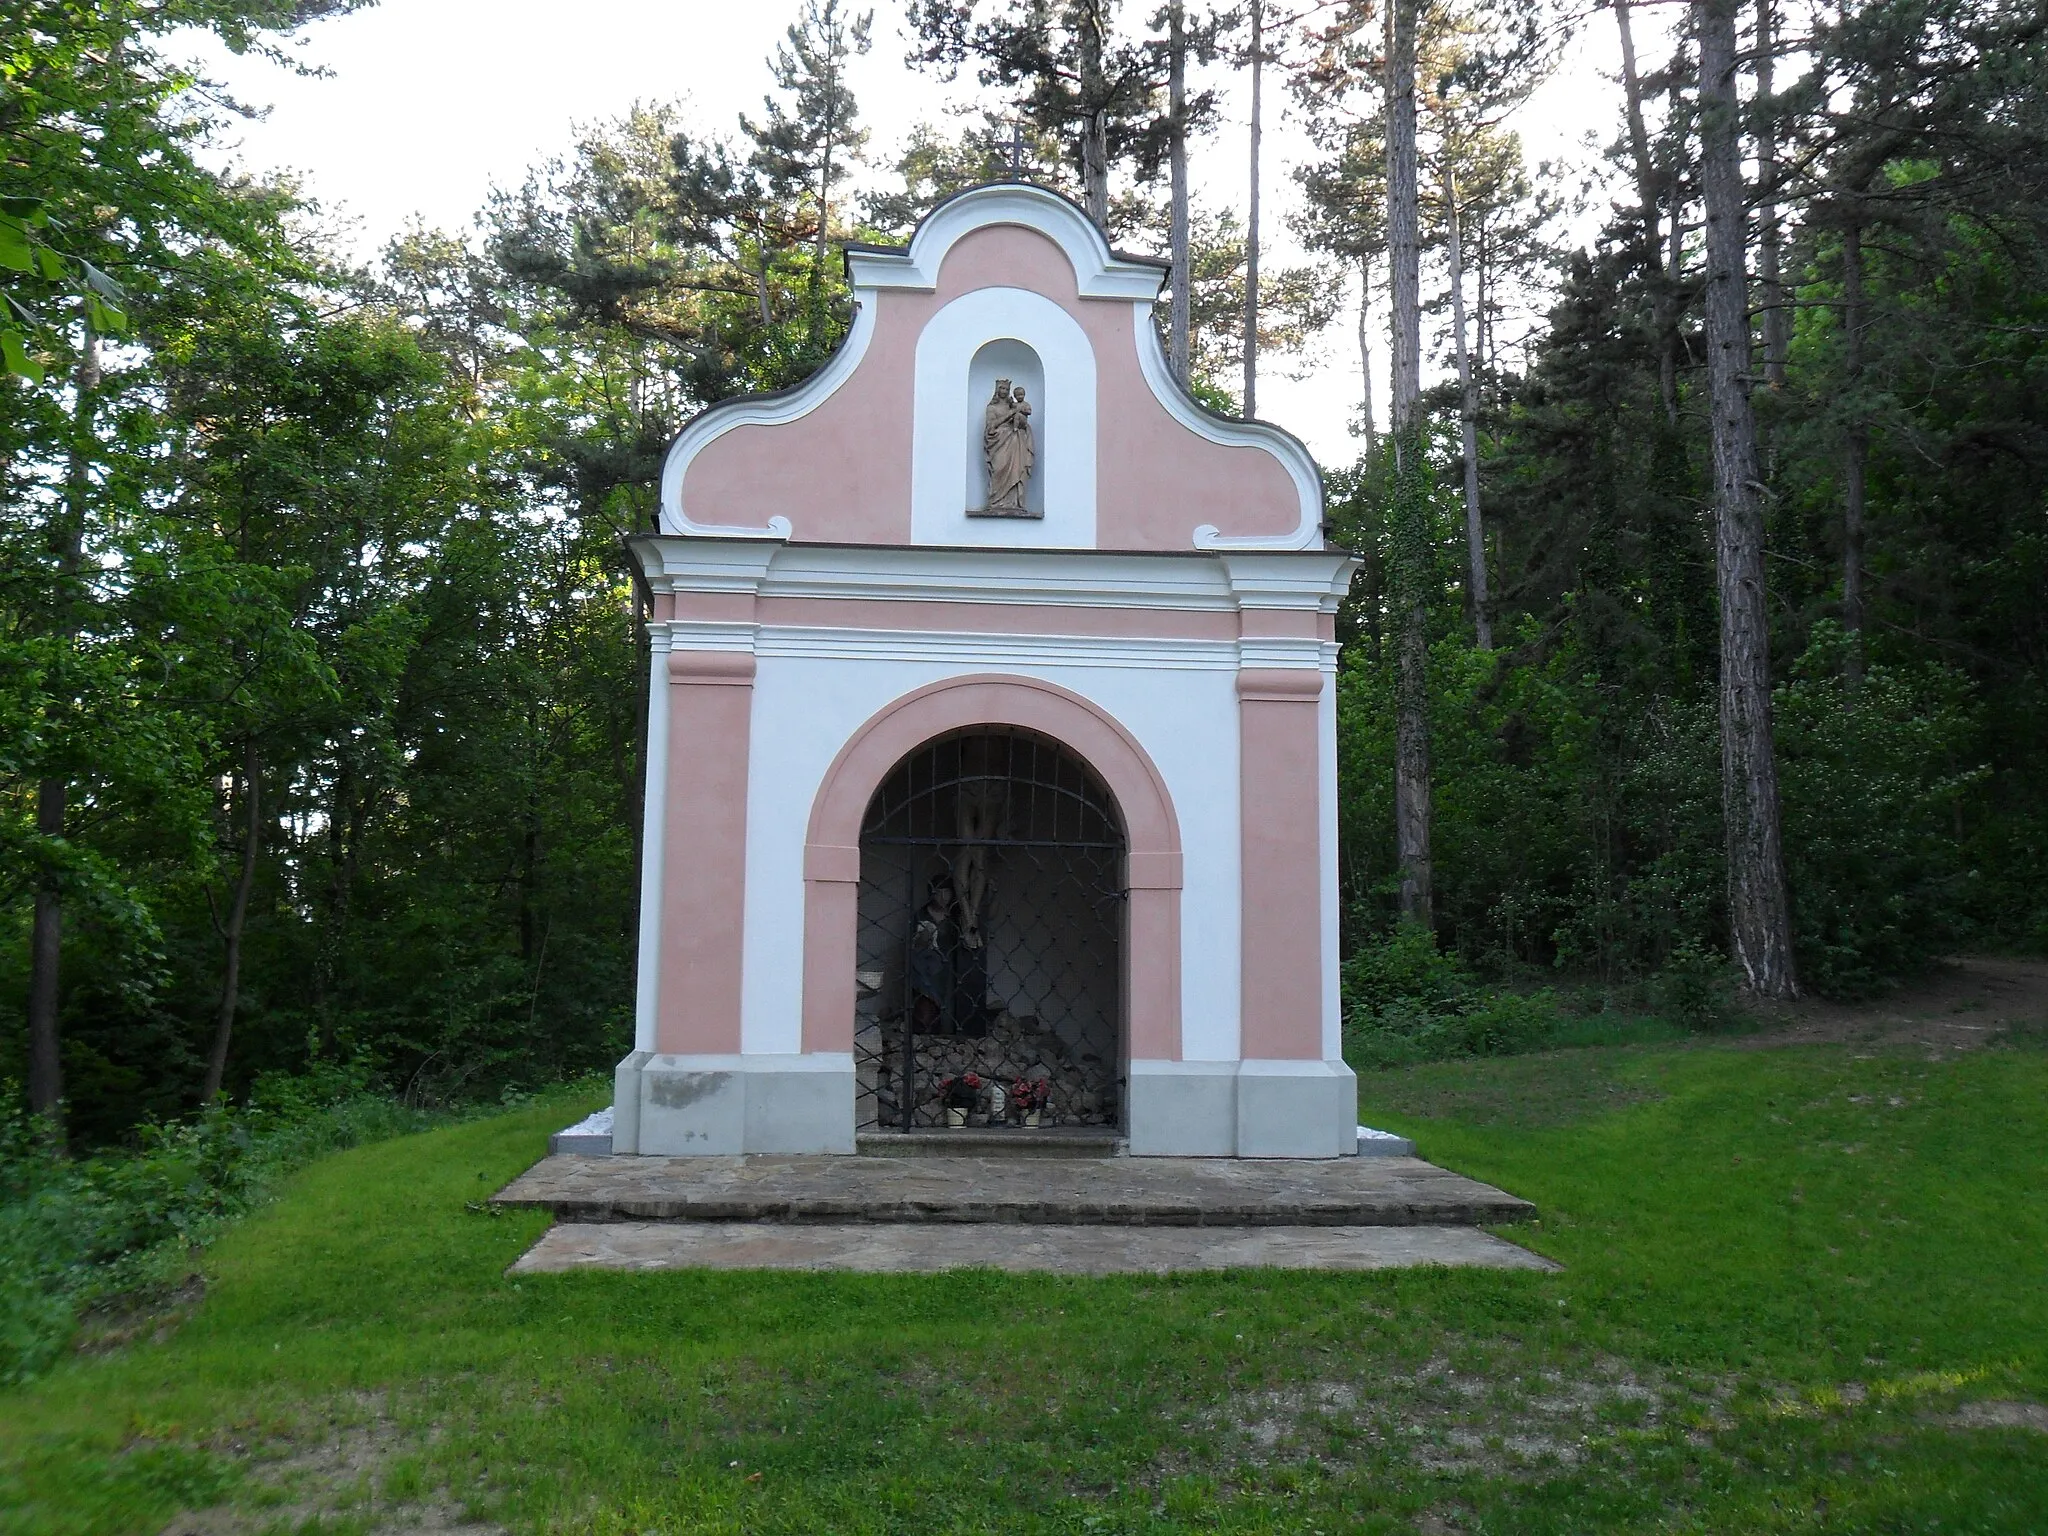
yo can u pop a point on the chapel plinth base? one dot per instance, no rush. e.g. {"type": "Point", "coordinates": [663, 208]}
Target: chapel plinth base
{"type": "Point", "coordinates": [681, 1106]}
{"type": "Point", "coordinates": [1243, 1109]}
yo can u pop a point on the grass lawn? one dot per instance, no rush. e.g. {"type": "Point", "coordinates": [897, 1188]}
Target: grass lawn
{"type": "Point", "coordinates": [1806, 1289]}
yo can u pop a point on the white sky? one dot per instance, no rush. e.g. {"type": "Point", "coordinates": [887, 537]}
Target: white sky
{"type": "Point", "coordinates": [430, 103]}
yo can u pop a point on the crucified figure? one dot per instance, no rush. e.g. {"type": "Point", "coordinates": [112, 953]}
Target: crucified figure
{"type": "Point", "coordinates": [984, 800]}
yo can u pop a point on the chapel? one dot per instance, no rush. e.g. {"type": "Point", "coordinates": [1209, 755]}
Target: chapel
{"type": "Point", "coordinates": [991, 772]}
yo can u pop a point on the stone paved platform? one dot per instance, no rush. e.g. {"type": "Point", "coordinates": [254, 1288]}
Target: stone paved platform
{"type": "Point", "coordinates": [1110, 1191]}
{"type": "Point", "coordinates": [924, 1248]}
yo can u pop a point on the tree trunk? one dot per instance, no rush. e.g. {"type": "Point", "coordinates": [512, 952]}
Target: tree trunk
{"type": "Point", "coordinates": [1468, 422]}
{"type": "Point", "coordinates": [1251, 229]}
{"type": "Point", "coordinates": [1649, 193]}
{"type": "Point", "coordinates": [1777, 326]}
{"type": "Point", "coordinates": [1758, 908]}
{"type": "Point", "coordinates": [1365, 353]}
{"type": "Point", "coordinates": [231, 930]}
{"type": "Point", "coordinates": [1638, 131]}
{"type": "Point", "coordinates": [1177, 347]}
{"type": "Point", "coordinates": [1095, 119]}
{"type": "Point", "coordinates": [46, 949]}
{"type": "Point", "coordinates": [1674, 267]}
{"type": "Point", "coordinates": [1410, 530]}
{"type": "Point", "coordinates": [1855, 442]}
{"type": "Point", "coordinates": [46, 934]}
{"type": "Point", "coordinates": [824, 214]}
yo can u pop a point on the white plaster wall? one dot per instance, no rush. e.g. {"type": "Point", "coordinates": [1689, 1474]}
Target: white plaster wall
{"type": "Point", "coordinates": [653, 826]}
{"type": "Point", "coordinates": [1181, 708]}
{"type": "Point", "coordinates": [1063, 417]}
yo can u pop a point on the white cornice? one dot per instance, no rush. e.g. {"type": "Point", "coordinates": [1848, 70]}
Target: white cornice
{"type": "Point", "coordinates": [1316, 579]}
{"type": "Point", "coordinates": [836, 642]}
{"type": "Point", "coordinates": [1280, 652]}
{"type": "Point", "coordinates": [1302, 581]}
{"type": "Point", "coordinates": [1065, 578]}
{"type": "Point", "coordinates": [1099, 273]}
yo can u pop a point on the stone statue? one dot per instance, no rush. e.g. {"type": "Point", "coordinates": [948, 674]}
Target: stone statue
{"type": "Point", "coordinates": [1006, 444]}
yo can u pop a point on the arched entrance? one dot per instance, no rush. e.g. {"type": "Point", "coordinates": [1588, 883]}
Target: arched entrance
{"type": "Point", "coordinates": [991, 917]}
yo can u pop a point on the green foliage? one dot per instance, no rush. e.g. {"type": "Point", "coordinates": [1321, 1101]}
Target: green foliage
{"type": "Point", "coordinates": [1695, 985]}
{"type": "Point", "coordinates": [1406, 1001]}
{"type": "Point", "coordinates": [1877, 769]}
{"type": "Point", "coordinates": [125, 1225]}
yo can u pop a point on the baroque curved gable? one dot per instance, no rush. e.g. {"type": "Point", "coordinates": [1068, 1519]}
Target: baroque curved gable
{"type": "Point", "coordinates": [882, 444]}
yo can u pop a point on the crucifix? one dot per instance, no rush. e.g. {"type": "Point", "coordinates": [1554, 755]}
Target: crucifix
{"type": "Point", "coordinates": [1017, 150]}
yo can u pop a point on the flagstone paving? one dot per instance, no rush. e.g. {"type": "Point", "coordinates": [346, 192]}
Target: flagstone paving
{"type": "Point", "coordinates": [1107, 1191]}
{"type": "Point", "coordinates": [926, 1247]}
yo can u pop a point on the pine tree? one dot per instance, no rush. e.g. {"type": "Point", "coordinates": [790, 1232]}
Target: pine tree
{"type": "Point", "coordinates": [808, 148]}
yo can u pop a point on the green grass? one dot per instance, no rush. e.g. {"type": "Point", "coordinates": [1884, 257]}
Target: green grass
{"type": "Point", "coordinates": [1786, 1271]}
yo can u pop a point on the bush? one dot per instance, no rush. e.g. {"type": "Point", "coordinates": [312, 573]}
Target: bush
{"type": "Point", "coordinates": [1695, 986]}
{"type": "Point", "coordinates": [1872, 774]}
{"type": "Point", "coordinates": [75, 1233]}
{"type": "Point", "coordinates": [1407, 1001]}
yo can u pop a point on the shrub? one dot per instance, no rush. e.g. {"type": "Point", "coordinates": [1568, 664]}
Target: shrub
{"type": "Point", "coordinates": [1695, 986]}
{"type": "Point", "coordinates": [1407, 1001]}
{"type": "Point", "coordinates": [79, 1232]}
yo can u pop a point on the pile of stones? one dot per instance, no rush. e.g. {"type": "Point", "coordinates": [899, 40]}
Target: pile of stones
{"type": "Point", "coordinates": [1083, 1079]}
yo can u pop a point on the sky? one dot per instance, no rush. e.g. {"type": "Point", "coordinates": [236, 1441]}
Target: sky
{"type": "Point", "coordinates": [428, 104]}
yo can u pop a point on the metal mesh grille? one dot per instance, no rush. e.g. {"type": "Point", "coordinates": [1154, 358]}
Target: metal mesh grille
{"type": "Point", "coordinates": [991, 924]}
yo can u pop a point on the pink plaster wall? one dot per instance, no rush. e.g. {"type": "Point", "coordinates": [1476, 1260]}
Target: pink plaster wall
{"type": "Point", "coordinates": [832, 853]}
{"type": "Point", "coordinates": [841, 474]}
{"type": "Point", "coordinates": [1280, 746]}
{"type": "Point", "coordinates": [704, 852]}
{"type": "Point", "coordinates": [931, 617]}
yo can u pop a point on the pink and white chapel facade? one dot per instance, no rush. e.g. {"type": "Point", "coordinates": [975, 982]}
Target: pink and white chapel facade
{"type": "Point", "coordinates": [992, 730]}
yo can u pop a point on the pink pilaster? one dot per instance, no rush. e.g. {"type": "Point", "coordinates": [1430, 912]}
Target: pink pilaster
{"type": "Point", "coordinates": [1282, 1005]}
{"type": "Point", "coordinates": [711, 695]}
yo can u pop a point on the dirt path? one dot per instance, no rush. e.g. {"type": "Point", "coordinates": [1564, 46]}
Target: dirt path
{"type": "Point", "coordinates": [1966, 1003]}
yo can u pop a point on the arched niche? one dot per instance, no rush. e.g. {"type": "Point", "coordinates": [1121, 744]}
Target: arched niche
{"type": "Point", "coordinates": [1005, 358]}
{"type": "Point", "coordinates": [945, 475]}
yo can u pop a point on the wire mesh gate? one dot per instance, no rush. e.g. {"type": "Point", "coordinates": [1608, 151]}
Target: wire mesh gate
{"type": "Point", "coordinates": [990, 939]}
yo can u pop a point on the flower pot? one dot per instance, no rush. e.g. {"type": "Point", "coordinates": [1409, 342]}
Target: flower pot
{"type": "Point", "coordinates": [1031, 1117]}
{"type": "Point", "coordinates": [955, 1118]}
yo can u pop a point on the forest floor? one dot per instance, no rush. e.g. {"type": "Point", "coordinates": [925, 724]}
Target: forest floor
{"type": "Point", "coordinates": [1805, 1289]}
{"type": "Point", "coordinates": [1964, 1003]}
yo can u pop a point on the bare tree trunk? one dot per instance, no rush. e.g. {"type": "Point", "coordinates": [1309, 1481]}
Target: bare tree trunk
{"type": "Point", "coordinates": [1410, 531]}
{"type": "Point", "coordinates": [824, 211]}
{"type": "Point", "coordinates": [1468, 422]}
{"type": "Point", "coordinates": [1777, 326]}
{"type": "Point", "coordinates": [1638, 131]}
{"type": "Point", "coordinates": [46, 950]}
{"type": "Point", "coordinates": [1758, 907]}
{"type": "Point", "coordinates": [1855, 442]}
{"type": "Point", "coordinates": [1177, 354]}
{"type": "Point", "coordinates": [1674, 267]}
{"type": "Point", "coordinates": [1649, 192]}
{"type": "Point", "coordinates": [231, 930]}
{"type": "Point", "coordinates": [46, 934]}
{"type": "Point", "coordinates": [1251, 232]}
{"type": "Point", "coordinates": [1365, 352]}
{"type": "Point", "coordinates": [1095, 123]}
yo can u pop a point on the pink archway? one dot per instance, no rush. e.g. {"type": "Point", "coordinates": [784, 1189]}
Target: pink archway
{"type": "Point", "coordinates": [1152, 832]}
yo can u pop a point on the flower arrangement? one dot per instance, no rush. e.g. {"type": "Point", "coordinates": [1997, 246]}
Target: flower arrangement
{"type": "Point", "coordinates": [961, 1092]}
{"type": "Point", "coordinates": [1029, 1096]}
